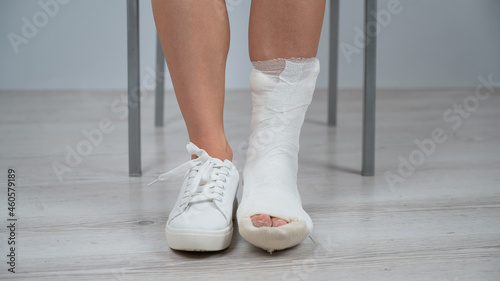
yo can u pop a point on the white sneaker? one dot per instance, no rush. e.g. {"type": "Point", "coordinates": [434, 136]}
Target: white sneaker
{"type": "Point", "coordinates": [202, 218]}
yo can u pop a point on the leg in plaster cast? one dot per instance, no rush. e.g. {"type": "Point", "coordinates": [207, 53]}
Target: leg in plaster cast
{"type": "Point", "coordinates": [273, 35]}
{"type": "Point", "coordinates": [270, 215]}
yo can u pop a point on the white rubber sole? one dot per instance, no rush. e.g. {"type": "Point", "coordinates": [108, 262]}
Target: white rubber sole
{"type": "Point", "coordinates": [199, 240]}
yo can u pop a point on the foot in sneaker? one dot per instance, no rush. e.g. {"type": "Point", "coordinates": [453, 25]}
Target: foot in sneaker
{"type": "Point", "coordinates": [202, 218]}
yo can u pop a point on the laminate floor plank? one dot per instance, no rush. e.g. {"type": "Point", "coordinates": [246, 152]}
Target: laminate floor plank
{"type": "Point", "coordinates": [81, 217]}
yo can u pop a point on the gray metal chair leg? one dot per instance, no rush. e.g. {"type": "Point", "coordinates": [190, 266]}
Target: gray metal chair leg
{"type": "Point", "coordinates": [333, 63]}
{"type": "Point", "coordinates": [134, 105]}
{"type": "Point", "coordinates": [369, 88]}
{"type": "Point", "coordinates": [160, 84]}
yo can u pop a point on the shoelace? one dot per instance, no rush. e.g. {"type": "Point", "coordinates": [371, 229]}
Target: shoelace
{"type": "Point", "coordinates": [206, 178]}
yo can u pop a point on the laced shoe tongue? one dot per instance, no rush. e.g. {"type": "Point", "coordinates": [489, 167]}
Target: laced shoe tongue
{"type": "Point", "coordinates": [203, 181]}
{"type": "Point", "coordinates": [201, 195]}
{"type": "Point", "coordinates": [202, 177]}
{"type": "Point", "coordinates": [206, 176]}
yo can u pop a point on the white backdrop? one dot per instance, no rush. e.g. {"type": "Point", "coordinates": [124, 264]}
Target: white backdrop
{"type": "Point", "coordinates": [81, 44]}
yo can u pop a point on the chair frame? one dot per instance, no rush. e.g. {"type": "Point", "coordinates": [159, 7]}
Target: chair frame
{"type": "Point", "coordinates": [369, 85]}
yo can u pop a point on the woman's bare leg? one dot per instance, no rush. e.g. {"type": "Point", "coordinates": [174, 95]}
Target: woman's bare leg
{"type": "Point", "coordinates": [283, 29]}
{"type": "Point", "coordinates": [195, 40]}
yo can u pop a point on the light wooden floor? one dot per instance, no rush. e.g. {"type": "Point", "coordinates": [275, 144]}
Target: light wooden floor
{"type": "Point", "coordinates": [441, 223]}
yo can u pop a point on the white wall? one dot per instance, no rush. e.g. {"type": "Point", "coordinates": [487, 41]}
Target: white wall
{"type": "Point", "coordinates": [428, 44]}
